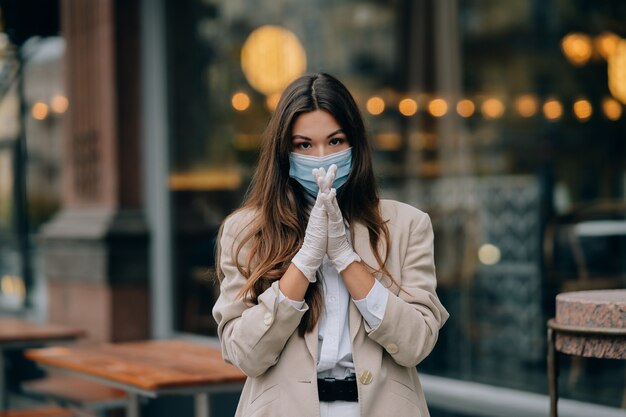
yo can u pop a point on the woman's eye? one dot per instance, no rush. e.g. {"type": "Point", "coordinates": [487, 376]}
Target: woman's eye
{"type": "Point", "coordinates": [336, 141]}
{"type": "Point", "coordinates": [303, 145]}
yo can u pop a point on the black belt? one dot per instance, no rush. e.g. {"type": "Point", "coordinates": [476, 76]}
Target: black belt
{"type": "Point", "coordinates": [331, 389]}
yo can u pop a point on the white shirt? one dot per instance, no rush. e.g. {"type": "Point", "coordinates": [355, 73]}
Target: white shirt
{"type": "Point", "coordinates": [335, 347]}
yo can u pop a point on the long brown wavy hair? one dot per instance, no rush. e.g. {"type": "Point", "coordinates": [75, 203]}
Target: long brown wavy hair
{"type": "Point", "coordinates": [279, 203]}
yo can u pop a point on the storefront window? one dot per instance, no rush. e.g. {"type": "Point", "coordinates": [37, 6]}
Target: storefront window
{"type": "Point", "coordinates": [483, 115]}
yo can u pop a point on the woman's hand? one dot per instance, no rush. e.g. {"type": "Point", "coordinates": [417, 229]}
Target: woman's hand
{"type": "Point", "coordinates": [310, 256]}
{"type": "Point", "coordinates": [340, 251]}
{"type": "Point", "coordinates": [325, 179]}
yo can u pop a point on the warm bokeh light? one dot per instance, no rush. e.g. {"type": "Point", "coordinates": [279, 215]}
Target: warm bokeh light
{"type": "Point", "coordinates": [420, 141]}
{"type": "Point", "coordinates": [465, 108]}
{"type": "Point", "coordinates": [429, 168]}
{"type": "Point", "coordinates": [240, 101]}
{"type": "Point", "coordinates": [6, 284]}
{"type": "Point", "coordinates": [40, 110]}
{"type": "Point", "coordinates": [375, 105]}
{"type": "Point", "coordinates": [59, 104]}
{"type": "Point", "coordinates": [612, 108]}
{"type": "Point", "coordinates": [582, 109]}
{"type": "Point", "coordinates": [247, 141]}
{"type": "Point", "coordinates": [552, 109]}
{"type": "Point", "coordinates": [438, 107]}
{"type": "Point", "coordinates": [617, 72]}
{"type": "Point", "coordinates": [492, 108]}
{"type": "Point", "coordinates": [526, 105]}
{"type": "Point", "coordinates": [272, 101]}
{"type": "Point", "coordinates": [225, 178]}
{"type": "Point", "coordinates": [606, 44]}
{"type": "Point", "coordinates": [388, 141]}
{"type": "Point", "coordinates": [489, 254]}
{"type": "Point", "coordinates": [13, 286]}
{"type": "Point", "coordinates": [408, 107]}
{"type": "Point", "coordinates": [271, 58]}
{"type": "Point", "coordinates": [577, 48]}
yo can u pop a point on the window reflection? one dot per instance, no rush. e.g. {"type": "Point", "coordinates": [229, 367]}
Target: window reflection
{"type": "Point", "coordinates": [489, 116]}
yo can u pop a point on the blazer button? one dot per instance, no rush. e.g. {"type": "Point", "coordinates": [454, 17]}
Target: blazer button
{"type": "Point", "coordinates": [267, 319]}
{"type": "Point", "coordinates": [392, 348]}
{"type": "Point", "coordinates": [366, 377]}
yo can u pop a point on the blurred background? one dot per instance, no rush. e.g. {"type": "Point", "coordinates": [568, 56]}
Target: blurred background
{"type": "Point", "coordinates": [129, 129]}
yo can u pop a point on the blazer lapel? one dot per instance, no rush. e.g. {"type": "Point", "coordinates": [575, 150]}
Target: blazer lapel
{"type": "Point", "coordinates": [311, 340]}
{"type": "Point", "coordinates": [361, 246]}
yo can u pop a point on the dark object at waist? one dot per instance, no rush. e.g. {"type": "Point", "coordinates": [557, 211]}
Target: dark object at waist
{"type": "Point", "coordinates": [331, 389]}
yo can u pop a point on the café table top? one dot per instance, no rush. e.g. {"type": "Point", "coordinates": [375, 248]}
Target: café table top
{"type": "Point", "coordinates": [151, 365]}
{"type": "Point", "coordinates": [591, 323]}
{"type": "Point", "coordinates": [16, 330]}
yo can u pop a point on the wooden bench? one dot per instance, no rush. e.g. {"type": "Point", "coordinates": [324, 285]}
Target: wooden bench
{"type": "Point", "coordinates": [51, 411]}
{"type": "Point", "coordinates": [72, 391]}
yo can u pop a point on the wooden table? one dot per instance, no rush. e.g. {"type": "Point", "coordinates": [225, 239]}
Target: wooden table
{"type": "Point", "coordinates": [16, 334]}
{"type": "Point", "coordinates": [589, 324]}
{"type": "Point", "coordinates": [149, 368]}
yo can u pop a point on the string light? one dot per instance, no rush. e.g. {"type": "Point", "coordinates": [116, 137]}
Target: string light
{"type": "Point", "coordinates": [408, 107]}
{"type": "Point", "coordinates": [582, 110]}
{"type": "Point", "coordinates": [59, 104]}
{"type": "Point", "coordinates": [375, 105]}
{"type": "Point", "coordinates": [40, 110]}
{"type": "Point", "coordinates": [465, 108]}
{"type": "Point", "coordinates": [606, 44]}
{"type": "Point", "coordinates": [577, 48]}
{"type": "Point", "coordinates": [612, 108]}
{"type": "Point", "coordinates": [492, 108]}
{"type": "Point", "coordinates": [526, 105]}
{"type": "Point", "coordinates": [438, 107]}
{"type": "Point", "coordinates": [240, 101]}
{"type": "Point", "coordinates": [552, 109]}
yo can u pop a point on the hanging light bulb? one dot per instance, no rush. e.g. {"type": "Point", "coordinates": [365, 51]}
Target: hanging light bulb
{"type": "Point", "coordinates": [577, 48]}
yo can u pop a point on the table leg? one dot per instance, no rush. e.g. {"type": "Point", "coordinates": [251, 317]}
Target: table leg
{"type": "Point", "coordinates": [203, 405]}
{"type": "Point", "coordinates": [3, 388]}
{"type": "Point", "coordinates": [624, 395]}
{"type": "Point", "coordinates": [553, 374]}
{"type": "Point", "coordinates": [132, 405]}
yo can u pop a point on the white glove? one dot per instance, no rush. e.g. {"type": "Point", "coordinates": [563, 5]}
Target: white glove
{"type": "Point", "coordinates": [340, 251]}
{"type": "Point", "coordinates": [325, 179]}
{"type": "Point", "coordinates": [309, 257]}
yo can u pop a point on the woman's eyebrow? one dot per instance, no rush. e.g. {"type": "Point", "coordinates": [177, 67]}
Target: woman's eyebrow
{"type": "Point", "coordinates": [296, 136]}
{"type": "Point", "coordinates": [334, 133]}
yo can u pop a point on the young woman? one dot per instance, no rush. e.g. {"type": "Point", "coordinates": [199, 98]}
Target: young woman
{"type": "Point", "coordinates": [328, 296]}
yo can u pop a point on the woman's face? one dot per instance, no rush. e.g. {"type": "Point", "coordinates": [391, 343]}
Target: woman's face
{"type": "Point", "coordinates": [317, 133]}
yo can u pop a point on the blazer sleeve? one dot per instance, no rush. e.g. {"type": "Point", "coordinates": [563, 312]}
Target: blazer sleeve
{"type": "Point", "coordinates": [252, 336]}
{"type": "Point", "coordinates": [412, 319]}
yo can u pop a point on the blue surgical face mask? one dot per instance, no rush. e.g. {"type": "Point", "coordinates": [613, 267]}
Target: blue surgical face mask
{"type": "Point", "coordinates": [301, 168]}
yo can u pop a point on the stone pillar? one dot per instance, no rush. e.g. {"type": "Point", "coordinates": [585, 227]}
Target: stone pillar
{"type": "Point", "coordinates": [95, 249]}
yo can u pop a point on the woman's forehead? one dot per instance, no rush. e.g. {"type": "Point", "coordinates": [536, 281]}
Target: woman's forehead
{"type": "Point", "coordinates": [317, 123]}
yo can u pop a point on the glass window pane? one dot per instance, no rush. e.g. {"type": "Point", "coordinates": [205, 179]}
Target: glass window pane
{"type": "Point", "coordinates": [479, 114]}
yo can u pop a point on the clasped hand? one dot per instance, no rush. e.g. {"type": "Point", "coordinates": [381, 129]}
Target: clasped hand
{"type": "Point", "coordinates": [325, 232]}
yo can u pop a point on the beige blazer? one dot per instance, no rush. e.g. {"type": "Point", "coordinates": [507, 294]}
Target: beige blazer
{"type": "Point", "coordinates": [263, 341]}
